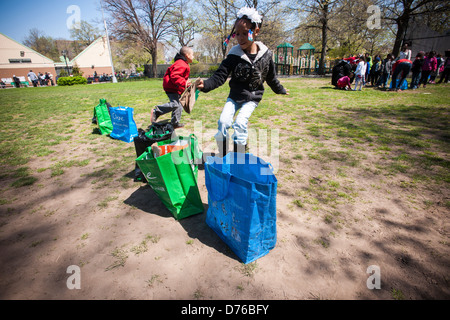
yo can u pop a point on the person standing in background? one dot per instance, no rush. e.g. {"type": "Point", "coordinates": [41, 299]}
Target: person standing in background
{"type": "Point", "coordinates": [429, 65]}
{"type": "Point", "coordinates": [33, 77]}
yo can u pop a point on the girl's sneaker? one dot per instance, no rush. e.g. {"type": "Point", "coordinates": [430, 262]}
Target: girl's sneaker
{"type": "Point", "coordinates": [154, 117]}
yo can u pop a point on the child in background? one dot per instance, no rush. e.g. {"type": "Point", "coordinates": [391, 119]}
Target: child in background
{"type": "Point", "coordinates": [344, 82]}
{"type": "Point", "coordinates": [416, 70]}
{"type": "Point", "coordinates": [386, 71]}
{"type": "Point", "coordinates": [375, 70]}
{"type": "Point", "coordinates": [445, 73]}
{"type": "Point", "coordinates": [435, 73]}
{"type": "Point", "coordinates": [368, 60]}
{"type": "Point", "coordinates": [429, 65]}
{"type": "Point", "coordinates": [360, 73]}
{"type": "Point", "coordinates": [250, 64]}
{"type": "Point", "coordinates": [405, 53]}
{"type": "Point", "coordinates": [175, 81]}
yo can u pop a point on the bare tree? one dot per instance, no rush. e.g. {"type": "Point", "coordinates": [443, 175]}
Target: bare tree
{"type": "Point", "coordinates": [39, 42]}
{"type": "Point", "coordinates": [273, 29]}
{"type": "Point", "coordinates": [322, 12]}
{"type": "Point", "coordinates": [184, 23]}
{"type": "Point", "coordinates": [400, 12]}
{"type": "Point", "coordinates": [143, 21]}
{"type": "Point", "coordinates": [83, 36]}
{"type": "Point", "coordinates": [263, 6]}
{"type": "Point", "coordinates": [218, 18]}
{"type": "Point", "coordinates": [354, 36]}
{"type": "Point", "coordinates": [208, 44]}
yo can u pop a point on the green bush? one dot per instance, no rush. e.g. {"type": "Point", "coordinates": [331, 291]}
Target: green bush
{"type": "Point", "coordinates": [213, 69]}
{"type": "Point", "coordinates": [70, 81]}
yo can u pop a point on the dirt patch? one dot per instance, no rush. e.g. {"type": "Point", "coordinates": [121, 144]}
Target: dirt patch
{"type": "Point", "coordinates": [330, 228]}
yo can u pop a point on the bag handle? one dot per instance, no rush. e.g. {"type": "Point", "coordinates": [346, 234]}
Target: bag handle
{"type": "Point", "coordinates": [216, 196]}
{"type": "Point", "coordinates": [196, 154]}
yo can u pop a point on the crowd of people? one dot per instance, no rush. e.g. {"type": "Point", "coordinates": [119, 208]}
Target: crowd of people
{"type": "Point", "coordinates": [96, 78]}
{"type": "Point", "coordinates": [46, 79]}
{"type": "Point", "coordinates": [41, 80]}
{"type": "Point", "coordinates": [363, 70]}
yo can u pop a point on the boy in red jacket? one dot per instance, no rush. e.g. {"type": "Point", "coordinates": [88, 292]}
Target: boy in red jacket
{"type": "Point", "coordinates": [175, 81]}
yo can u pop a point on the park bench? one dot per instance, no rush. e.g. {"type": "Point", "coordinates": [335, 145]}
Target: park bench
{"type": "Point", "coordinates": [10, 83]}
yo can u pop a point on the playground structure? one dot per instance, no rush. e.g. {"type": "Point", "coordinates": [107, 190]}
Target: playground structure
{"type": "Point", "coordinates": [303, 63]}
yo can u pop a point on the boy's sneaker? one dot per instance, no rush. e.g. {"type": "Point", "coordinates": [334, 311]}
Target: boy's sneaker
{"type": "Point", "coordinates": [178, 125]}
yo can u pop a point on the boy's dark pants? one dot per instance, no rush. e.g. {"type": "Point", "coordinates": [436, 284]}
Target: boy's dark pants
{"type": "Point", "coordinates": [415, 79]}
{"type": "Point", "coordinates": [173, 105]}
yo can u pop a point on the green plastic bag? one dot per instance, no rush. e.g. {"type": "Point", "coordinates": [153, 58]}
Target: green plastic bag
{"type": "Point", "coordinates": [101, 112]}
{"type": "Point", "coordinates": [173, 177]}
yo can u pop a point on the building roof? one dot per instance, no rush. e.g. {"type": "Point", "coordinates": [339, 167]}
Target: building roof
{"type": "Point", "coordinates": [96, 54]}
{"type": "Point", "coordinates": [11, 49]}
{"type": "Point", "coordinates": [86, 49]}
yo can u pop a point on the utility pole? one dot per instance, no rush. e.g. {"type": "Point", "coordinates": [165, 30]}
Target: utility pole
{"type": "Point", "coordinates": [64, 53]}
{"type": "Point", "coordinates": [114, 79]}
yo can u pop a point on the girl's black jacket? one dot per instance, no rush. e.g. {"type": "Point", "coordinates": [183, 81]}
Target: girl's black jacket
{"type": "Point", "coordinates": [247, 77]}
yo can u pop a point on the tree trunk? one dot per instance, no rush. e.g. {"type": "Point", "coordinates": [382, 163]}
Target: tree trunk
{"type": "Point", "coordinates": [402, 25]}
{"type": "Point", "coordinates": [154, 63]}
{"type": "Point", "coordinates": [324, 39]}
{"type": "Point", "coordinates": [224, 49]}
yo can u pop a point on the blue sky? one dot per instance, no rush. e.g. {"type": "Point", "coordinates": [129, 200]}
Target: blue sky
{"type": "Point", "coordinates": [48, 16]}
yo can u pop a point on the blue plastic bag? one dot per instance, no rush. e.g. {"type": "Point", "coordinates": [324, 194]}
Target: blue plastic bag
{"type": "Point", "coordinates": [242, 192]}
{"type": "Point", "coordinates": [124, 127]}
{"type": "Point", "coordinates": [403, 86]}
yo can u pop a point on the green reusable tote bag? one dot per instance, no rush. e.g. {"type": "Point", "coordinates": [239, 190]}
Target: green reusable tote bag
{"type": "Point", "coordinates": [103, 118]}
{"type": "Point", "coordinates": [173, 177]}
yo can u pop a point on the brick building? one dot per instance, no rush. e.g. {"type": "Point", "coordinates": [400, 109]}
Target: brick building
{"type": "Point", "coordinates": [18, 59]}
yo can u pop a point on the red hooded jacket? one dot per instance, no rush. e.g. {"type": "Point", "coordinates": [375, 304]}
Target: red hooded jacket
{"type": "Point", "coordinates": [176, 76]}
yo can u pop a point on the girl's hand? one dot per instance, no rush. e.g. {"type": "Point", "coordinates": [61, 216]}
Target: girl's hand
{"type": "Point", "coordinates": [287, 92]}
{"type": "Point", "coordinates": [200, 84]}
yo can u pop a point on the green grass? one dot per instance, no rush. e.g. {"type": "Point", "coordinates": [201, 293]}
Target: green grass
{"type": "Point", "coordinates": [397, 294]}
{"type": "Point", "coordinates": [104, 203]}
{"type": "Point", "coordinates": [120, 255]}
{"type": "Point", "coordinates": [249, 269]}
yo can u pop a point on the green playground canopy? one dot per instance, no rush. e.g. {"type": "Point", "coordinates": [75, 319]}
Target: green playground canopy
{"type": "Point", "coordinates": [306, 46]}
{"type": "Point", "coordinates": [285, 45]}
